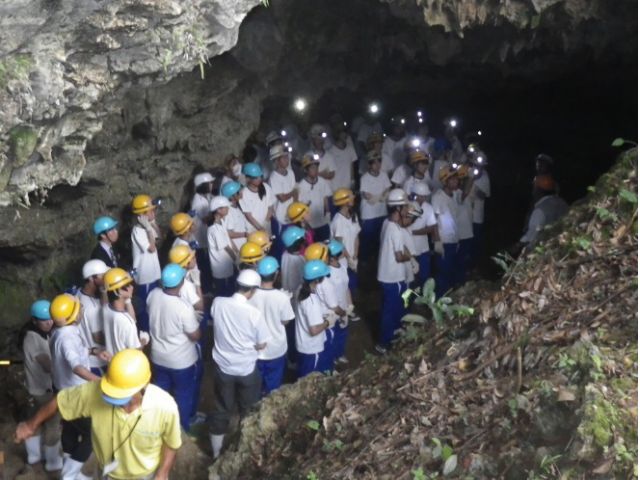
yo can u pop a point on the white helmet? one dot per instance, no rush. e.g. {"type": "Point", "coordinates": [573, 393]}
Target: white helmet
{"type": "Point", "coordinates": [420, 188]}
{"type": "Point", "coordinates": [249, 278]}
{"type": "Point", "coordinates": [219, 202]}
{"type": "Point", "coordinates": [277, 151]}
{"type": "Point", "coordinates": [272, 137]}
{"type": "Point", "coordinates": [414, 210]}
{"type": "Point", "coordinates": [94, 267]}
{"type": "Point", "coordinates": [201, 178]}
{"type": "Point", "coordinates": [397, 197]}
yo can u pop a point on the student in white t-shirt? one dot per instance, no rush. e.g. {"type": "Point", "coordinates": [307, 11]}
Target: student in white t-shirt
{"type": "Point", "coordinates": [312, 321]}
{"type": "Point", "coordinates": [315, 191]}
{"type": "Point", "coordinates": [283, 184]}
{"type": "Point", "coordinates": [175, 331]}
{"type": "Point", "coordinates": [391, 268]}
{"type": "Point", "coordinates": [257, 200]}
{"type": "Point", "coordinates": [37, 369]}
{"type": "Point", "coordinates": [412, 267]}
{"type": "Point", "coordinates": [203, 185]}
{"type": "Point", "coordinates": [339, 279]}
{"type": "Point", "coordinates": [445, 206]}
{"type": "Point", "coordinates": [393, 154]}
{"type": "Point", "coordinates": [233, 171]}
{"type": "Point", "coordinates": [346, 229]}
{"type": "Point", "coordinates": [419, 162]}
{"type": "Point", "coordinates": [423, 227]}
{"type": "Point", "coordinates": [120, 329]}
{"type": "Point", "coordinates": [480, 191]}
{"type": "Point", "coordinates": [374, 186]}
{"type": "Point", "coordinates": [277, 311]}
{"type": "Point", "coordinates": [345, 156]}
{"type": "Point", "coordinates": [326, 161]}
{"type": "Point", "coordinates": [146, 265]}
{"type": "Point", "coordinates": [183, 227]}
{"type": "Point", "coordinates": [235, 221]}
{"type": "Point", "coordinates": [92, 296]}
{"type": "Point", "coordinates": [373, 147]}
{"type": "Point", "coordinates": [222, 251]}
{"type": "Point", "coordinates": [464, 224]}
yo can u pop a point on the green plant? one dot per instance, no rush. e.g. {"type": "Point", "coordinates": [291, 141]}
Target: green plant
{"type": "Point", "coordinates": [504, 261]}
{"type": "Point", "coordinates": [619, 142]}
{"type": "Point", "coordinates": [313, 425]}
{"type": "Point", "coordinates": [628, 196]}
{"type": "Point", "coordinates": [312, 475]}
{"type": "Point", "coordinates": [441, 308]}
{"type": "Point", "coordinates": [330, 446]}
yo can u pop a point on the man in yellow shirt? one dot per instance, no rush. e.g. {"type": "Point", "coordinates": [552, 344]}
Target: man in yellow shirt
{"type": "Point", "coordinates": [135, 426]}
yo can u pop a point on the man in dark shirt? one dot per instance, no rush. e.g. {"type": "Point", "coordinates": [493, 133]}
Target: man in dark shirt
{"type": "Point", "coordinates": [105, 228]}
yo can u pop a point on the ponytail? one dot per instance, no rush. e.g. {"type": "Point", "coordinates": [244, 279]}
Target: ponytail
{"type": "Point", "coordinates": [305, 291]}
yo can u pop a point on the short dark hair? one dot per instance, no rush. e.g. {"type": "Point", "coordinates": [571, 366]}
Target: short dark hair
{"type": "Point", "coordinates": [269, 278]}
{"type": "Point", "coordinates": [295, 247]}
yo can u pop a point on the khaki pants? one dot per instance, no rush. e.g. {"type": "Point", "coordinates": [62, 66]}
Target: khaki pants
{"type": "Point", "coordinates": [50, 430]}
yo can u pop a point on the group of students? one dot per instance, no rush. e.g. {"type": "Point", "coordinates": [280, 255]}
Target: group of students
{"type": "Point", "coordinates": [270, 261]}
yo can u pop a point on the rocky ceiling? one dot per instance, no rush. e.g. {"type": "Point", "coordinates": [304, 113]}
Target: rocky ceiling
{"type": "Point", "coordinates": [102, 100]}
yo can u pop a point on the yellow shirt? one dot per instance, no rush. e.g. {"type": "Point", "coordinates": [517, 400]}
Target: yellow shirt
{"type": "Point", "coordinates": [141, 453]}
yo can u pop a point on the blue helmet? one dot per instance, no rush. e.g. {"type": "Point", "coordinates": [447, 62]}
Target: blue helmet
{"type": "Point", "coordinates": [291, 235]}
{"type": "Point", "coordinates": [315, 269]}
{"type": "Point", "coordinates": [40, 310]}
{"type": "Point", "coordinates": [172, 275]}
{"type": "Point", "coordinates": [229, 189]}
{"type": "Point", "coordinates": [252, 170]}
{"type": "Point", "coordinates": [335, 247]}
{"type": "Point", "coordinates": [268, 266]}
{"type": "Point", "coordinates": [104, 224]}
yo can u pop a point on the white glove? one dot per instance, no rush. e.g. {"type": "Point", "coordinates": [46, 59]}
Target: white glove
{"type": "Point", "coordinates": [415, 266]}
{"type": "Point", "coordinates": [144, 338]}
{"type": "Point", "coordinates": [438, 247]}
{"type": "Point", "coordinates": [147, 225]}
{"type": "Point", "coordinates": [353, 264]}
{"type": "Point", "coordinates": [194, 276]}
{"type": "Point", "coordinates": [343, 321]}
{"type": "Point", "coordinates": [330, 317]}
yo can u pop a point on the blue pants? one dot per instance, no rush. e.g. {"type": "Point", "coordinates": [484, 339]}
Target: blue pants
{"type": "Point", "coordinates": [370, 237]}
{"type": "Point", "coordinates": [353, 280]}
{"type": "Point", "coordinates": [325, 362]}
{"type": "Point", "coordinates": [340, 336]}
{"type": "Point", "coordinates": [307, 363]}
{"type": "Point", "coordinates": [424, 260]}
{"type": "Point", "coordinates": [180, 384]}
{"type": "Point", "coordinates": [392, 311]}
{"type": "Point", "coordinates": [204, 265]}
{"type": "Point", "coordinates": [322, 233]}
{"type": "Point", "coordinates": [463, 261]}
{"type": "Point", "coordinates": [446, 266]}
{"type": "Point", "coordinates": [142, 292]}
{"type": "Point", "coordinates": [98, 371]}
{"type": "Point", "coordinates": [272, 373]}
{"type": "Point", "coordinates": [478, 244]}
{"type": "Point", "coordinates": [224, 286]}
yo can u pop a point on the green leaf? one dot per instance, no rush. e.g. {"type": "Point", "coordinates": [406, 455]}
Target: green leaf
{"type": "Point", "coordinates": [591, 189]}
{"type": "Point", "coordinates": [450, 465]}
{"type": "Point", "coordinates": [313, 425]}
{"type": "Point", "coordinates": [447, 451]}
{"type": "Point", "coordinates": [406, 296]}
{"type": "Point", "coordinates": [618, 142]}
{"type": "Point", "coordinates": [628, 195]}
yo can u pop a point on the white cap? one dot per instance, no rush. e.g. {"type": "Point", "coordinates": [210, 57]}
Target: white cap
{"type": "Point", "coordinates": [420, 188]}
{"type": "Point", "coordinates": [219, 202]}
{"type": "Point", "coordinates": [94, 267]}
{"type": "Point", "coordinates": [273, 136]}
{"type": "Point", "coordinates": [277, 151]}
{"type": "Point", "coordinates": [249, 278]}
{"type": "Point", "coordinates": [201, 178]}
{"type": "Point", "coordinates": [397, 197]}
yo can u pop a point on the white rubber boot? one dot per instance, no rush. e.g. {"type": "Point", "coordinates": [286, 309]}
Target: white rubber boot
{"type": "Point", "coordinates": [82, 476]}
{"type": "Point", "coordinates": [34, 451]}
{"type": "Point", "coordinates": [53, 458]}
{"type": "Point", "coordinates": [70, 469]}
{"type": "Point", "coordinates": [216, 444]}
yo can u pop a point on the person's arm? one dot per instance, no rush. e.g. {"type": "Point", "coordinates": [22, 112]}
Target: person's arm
{"type": "Point", "coordinates": [270, 213]}
{"type": "Point", "coordinates": [195, 335]}
{"type": "Point", "coordinates": [318, 329]}
{"type": "Point", "coordinates": [29, 427]}
{"type": "Point", "coordinates": [230, 251]}
{"type": "Point", "coordinates": [166, 464]}
{"type": "Point", "coordinates": [45, 362]}
{"type": "Point", "coordinates": [252, 221]}
{"type": "Point", "coordinates": [85, 373]}
{"type": "Point", "coordinates": [260, 346]}
{"type": "Point", "coordinates": [402, 256]}
{"type": "Point", "coordinates": [98, 337]}
{"type": "Point", "coordinates": [326, 205]}
{"type": "Point", "coordinates": [327, 174]}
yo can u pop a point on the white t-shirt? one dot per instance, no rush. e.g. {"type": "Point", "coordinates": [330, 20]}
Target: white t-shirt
{"type": "Point", "coordinates": [410, 244]}
{"type": "Point", "coordinates": [391, 241]}
{"type": "Point", "coordinates": [67, 353]}
{"type": "Point", "coordinates": [237, 328]}
{"type": "Point", "coordinates": [189, 292]}
{"type": "Point", "coordinates": [89, 323]}
{"type": "Point", "coordinates": [393, 154]}
{"type": "Point", "coordinates": [179, 241]}
{"type": "Point", "coordinates": [327, 295]}
{"type": "Point", "coordinates": [314, 195]}
{"type": "Point", "coordinates": [217, 240]}
{"type": "Point", "coordinates": [446, 210]}
{"type": "Point", "coordinates": [464, 219]}
{"type": "Point", "coordinates": [309, 314]}
{"type": "Point", "coordinates": [401, 174]}
{"type": "Point", "coordinates": [235, 221]}
{"type": "Point", "coordinates": [37, 379]}
{"type": "Point", "coordinates": [200, 204]}
{"type": "Point", "coordinates": [344, 158]}
{"type": "Point", "coordinates": [411, 181]}
{"type": "Point", "coordinates": [170, 320]}
{"type": "Point", "coordinates": [339, 280]}
{"type": "Point", "coordinates": [291, 271]}
{"type": "Point", "coordinates": [482, 184]}
{"type": "Point", "coordinates": [120, 330]}
{"type": "Point", "coordinates": [347, 230]}
{"type": "Point", "coordinates": [146, 263]}
{"type": "Point", "coordinates": [375, 186]}
{"type": "Point", "coordinates": [427, 219]}
{"type": "Point", "coordinates": [258, 207]}
{"type": "Point", "coordinates": [276, 308]}
{"type": "Point", "coordinates": [326, 159]}
{"type": "Point", "coordinates": [282, 184]}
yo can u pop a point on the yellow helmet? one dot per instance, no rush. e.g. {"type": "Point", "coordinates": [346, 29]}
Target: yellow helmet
{"type": "Point", "coordinates": [418, 156]}
{"type": "Point", "coordinates": [142, 204]}
{"type": "Point", "coordinates": [251, 253]}
{"type": "Point", "coordinates": [181, 254]}
{"type": "Point", "coordinates": [463, 171]}
{"type": "Point", "coordinates": [116, 278]}
{"type": "Point", "coordinates": [181, 223]}
{"type": "Point", "coordinates": [64, 309]}
{"type": "Point", "coordinates": [446, 172]}
{"type": "Point", "coordinates": [342, 196]}
{"type": "Point", "coordinates": [296, 211]}
{"type": "Point", "coordinates": [316, 251]}
{"type": "Point", "coordinates": [128, 373]}
{"type": "Point", "coordinates": [260, 238]}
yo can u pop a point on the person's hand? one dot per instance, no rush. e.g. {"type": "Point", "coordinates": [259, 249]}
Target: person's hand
{"type": "Point", "coordinates": [161, 476]}
{"type": "Point", "coordinates": [104, 355]}
{"type": "Point", "coordinates": [415, 266]}
{"type": "Point", "coordinates": [199, 315]}
{"type": "Point", "coordinates": [144, 338]}
{"type": "Point", "coordinates": [194, 276]}
{"type": "Point", "coordinates": [24, 430]}
{"type": "Point", "coordinates": [331, 318]}
{"type": "Point", "coordinates": [438, 247]}
{"type": "Point", "coordinates": [353, 264]}
{"type": "Point", "coordinates": [343, 321]}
